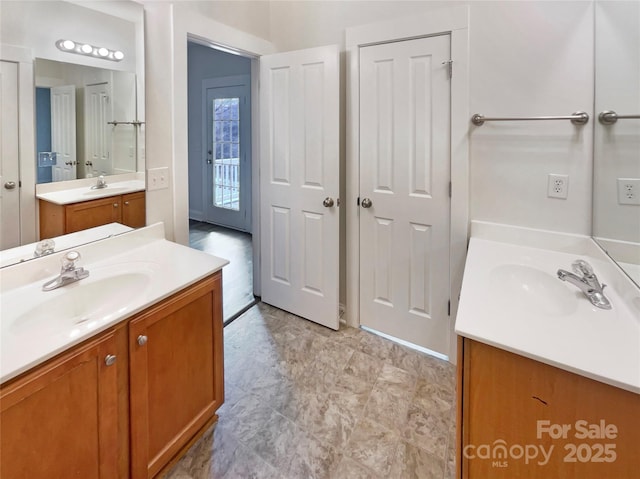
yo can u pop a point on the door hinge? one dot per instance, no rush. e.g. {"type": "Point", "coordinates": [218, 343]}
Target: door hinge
{"type": "Point", "coordinates": [450, 187]}
{"type": "Point", "coordinates": [449, 64]}
{"type": "Point", "coordinates": [449, 308]}
{"type": "Point", "coordinates": [19, 183]}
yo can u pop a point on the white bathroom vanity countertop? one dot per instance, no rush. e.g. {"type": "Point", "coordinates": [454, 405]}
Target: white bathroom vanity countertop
{"type": "Point", "coordinates": [128, 273]}
{"type": "Point", "coordinates": [512, 299]}
{"type": "Point", "coordinates": [85, 193]}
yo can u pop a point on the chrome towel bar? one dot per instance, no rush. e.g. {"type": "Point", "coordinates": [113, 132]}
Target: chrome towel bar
{"type": "Point", "coordinates": [577, 118]}
{"type": "Point", "coordinates": [609, 117]}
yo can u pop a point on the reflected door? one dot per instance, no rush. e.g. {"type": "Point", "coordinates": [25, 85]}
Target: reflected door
{"type": "Point", "coordinates": [404, 190]}
{"type": "Point", "coordinates": [63, 132]}
{"type": "Point", "coordinates": [97, 110]}
{"type": "Point", "coordinates": [228, 153]}
{"type": "Point", "coordinates": [9, 157]}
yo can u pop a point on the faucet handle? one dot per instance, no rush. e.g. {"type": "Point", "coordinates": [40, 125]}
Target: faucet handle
{"type": "Point", "coordinates": [69, 259]}
{"type": "Point", "coordinates": [580, 266]}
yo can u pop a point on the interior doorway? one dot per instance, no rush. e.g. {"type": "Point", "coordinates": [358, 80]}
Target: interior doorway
{"type": "Point", "coordinates": [220, 186]}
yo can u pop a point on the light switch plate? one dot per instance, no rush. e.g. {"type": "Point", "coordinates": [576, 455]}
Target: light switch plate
{"type": "Point", "coordinates": [158, 178]}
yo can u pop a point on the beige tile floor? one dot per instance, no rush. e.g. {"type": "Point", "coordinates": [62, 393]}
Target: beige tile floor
{"type": "Point", "coordinates": [303, 401]}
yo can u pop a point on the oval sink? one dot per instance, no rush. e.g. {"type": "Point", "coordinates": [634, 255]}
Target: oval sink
{"type": "Point", "coordinates": [527, 287]}
{"type": "Point", "coordinates": [82, 305]}
{"type": "Point", "coordinates": [105, 191]}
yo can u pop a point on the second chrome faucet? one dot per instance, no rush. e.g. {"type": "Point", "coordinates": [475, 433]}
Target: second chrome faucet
{"type": "Point", "coordinates": [585, 279]}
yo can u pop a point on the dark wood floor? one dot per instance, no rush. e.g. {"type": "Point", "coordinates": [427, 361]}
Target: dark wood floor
{"type": "Point", "coordinates": [237, 276]}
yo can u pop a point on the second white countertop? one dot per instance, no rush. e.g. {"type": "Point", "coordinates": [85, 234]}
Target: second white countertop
{"type": "Point", "coordinates": [512, 299]}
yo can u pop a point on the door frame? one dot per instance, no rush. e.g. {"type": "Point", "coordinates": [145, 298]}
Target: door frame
{"type": "Point", "coordinates": [232, 41]}
{"type": "Point", "coordinates": [26, 138]}
{"type": "Point", "coordinates": [454, 21]}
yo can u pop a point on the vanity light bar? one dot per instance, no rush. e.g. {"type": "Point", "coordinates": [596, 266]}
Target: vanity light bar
{"type": "Point", "coordinates": [88, 50]}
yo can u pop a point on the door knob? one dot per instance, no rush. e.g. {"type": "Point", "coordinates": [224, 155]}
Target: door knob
{"type": "Point", "coordinates": [110, 359]}
{"type": "Point", "coordinates": [10, 185]}
{"type": "Point", "coordinates": [142, 340]}
{"type": "Point", "coordinates": [328, 202]}
{"type": "Point", "coordinates": [366, 203]}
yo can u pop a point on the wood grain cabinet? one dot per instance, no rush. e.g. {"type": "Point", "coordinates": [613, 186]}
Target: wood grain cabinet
{"type": "Point", "coordinates": [176, 375]}
{"type": "Point", "coordinates": [521, 418]}
{"type": "Point", "coordinates": [60, 420]}
{"type": "Point", "coordinates": [56, 220]}
{"type": "Point", "coordinates": [124, 404]}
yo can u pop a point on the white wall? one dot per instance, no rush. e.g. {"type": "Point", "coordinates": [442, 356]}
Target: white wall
{"type": "Point", "coordinates": [526, 59]}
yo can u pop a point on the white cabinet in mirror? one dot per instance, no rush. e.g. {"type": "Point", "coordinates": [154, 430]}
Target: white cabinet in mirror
{"type": "Point", "coordinates": [616, 166]}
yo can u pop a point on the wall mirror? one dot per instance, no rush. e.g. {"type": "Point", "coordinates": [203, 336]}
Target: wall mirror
{"type": "Point", "coordinates": [109, 91]}
{"type": "Point", "coordinates": [86, 121]}
{"type": "Point", "coordinates": [616, 180]}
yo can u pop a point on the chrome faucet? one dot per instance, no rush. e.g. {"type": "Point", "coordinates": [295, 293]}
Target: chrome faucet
{"type": "Point", "coordinates": [68, 274]}
{"type": "Point", "coordinates": [586, 280]}
{"type": "Point", "coordinates": [44, 248]}
{"type": "Point", "coordinates": [101, 183]}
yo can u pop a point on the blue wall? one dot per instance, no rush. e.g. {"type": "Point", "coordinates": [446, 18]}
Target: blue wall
{"type": "Point", "coordinates": [43, 131]}
{"type": "Point", "coordinates": [204, 63]}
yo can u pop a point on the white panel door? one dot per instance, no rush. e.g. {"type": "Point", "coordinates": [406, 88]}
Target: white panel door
{"type": "Point", "coordinates": [63, 132]}
{"type": "Point", "coordinates": [9, 157]}
{"type": "Point", "coordinates": [98, 112]}
{"type": "Point", "coordinates": [300, 178]}
{"type": "Point", "coordinates": [404, 190]}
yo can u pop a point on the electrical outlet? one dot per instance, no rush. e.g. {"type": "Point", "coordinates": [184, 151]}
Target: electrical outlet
{"type": "Point", "coordinates": [629, 191]}
{"type": "Point", "coordinates": [158, 178]}
{"type": "Point", "coordinates": [558, 186]}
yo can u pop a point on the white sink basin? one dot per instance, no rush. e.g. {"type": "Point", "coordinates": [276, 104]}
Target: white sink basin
{"type": "Point", "coordinates": [105, 191]}
{"type": "Point", "coordinates": [519, 286]}
{"type": "Point", "coordinates": [71, 310]}
{"type": "Point", "coordinates": [81, 305]}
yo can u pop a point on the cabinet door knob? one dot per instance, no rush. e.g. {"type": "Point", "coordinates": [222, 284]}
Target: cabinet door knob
{"type": "Point", "coordinates": [115, 205]}
{"type": "Point", "coordinates": [126, 203]}
{"type": "Point", "coordinates": [110, 359]}
{"type": "Point", "coordinates": [142, 340]}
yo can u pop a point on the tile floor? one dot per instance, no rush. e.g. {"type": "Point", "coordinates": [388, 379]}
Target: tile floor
{"type": "Point", "coordinates": [303, 401]}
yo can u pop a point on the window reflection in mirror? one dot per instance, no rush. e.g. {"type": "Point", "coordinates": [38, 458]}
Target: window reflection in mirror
{"type": "Point", "coordinates": [84, 121]}
{"type": "Point", "coordinates": [616, 183]}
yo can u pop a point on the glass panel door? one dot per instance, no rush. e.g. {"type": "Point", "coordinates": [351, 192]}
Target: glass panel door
{"type": "Point", "coordinates": [226, 171]}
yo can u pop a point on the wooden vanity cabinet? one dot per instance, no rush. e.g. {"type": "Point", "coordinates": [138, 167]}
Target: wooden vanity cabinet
{"type": "Point", "coordinates": [593, 428]}
{"type": "Point", "coordinates": [85, 415]}
{"type": "Point", "coordinates": [60, 420]}
{"type": "Point", "coordinates": [57, 220]}
{"type": "Point", "coordinates": [176, 375]}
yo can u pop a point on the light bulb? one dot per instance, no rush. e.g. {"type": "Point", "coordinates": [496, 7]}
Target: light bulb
{"type": "Point", "coordinates": [86, 48]}
{"type": "Point", "coordinates": [118, 55]}
{"type": "Point", "coordinates": [103, 52]}
{"type": "Point", "coordinates": [68, 45]}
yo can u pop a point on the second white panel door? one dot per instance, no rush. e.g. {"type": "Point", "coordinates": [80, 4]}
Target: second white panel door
{"type": "Point", "coordinates": [404, 190]}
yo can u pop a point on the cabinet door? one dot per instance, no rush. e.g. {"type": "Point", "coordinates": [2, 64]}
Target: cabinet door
{"type": "Point", "coordinates": [175, 353]}
{"type": "Point", "coordinates": [133, 209]}
{"type": "Point", "coordinates": [80, 216]}
{"type": "Point", "coordinates": [61, 419]}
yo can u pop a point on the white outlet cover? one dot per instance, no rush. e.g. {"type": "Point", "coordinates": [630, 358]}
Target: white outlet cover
{"type": "Point", "coordinates": [557, 186]}
{"type": "Point", "coordinates": [629, 191]}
